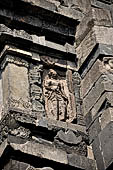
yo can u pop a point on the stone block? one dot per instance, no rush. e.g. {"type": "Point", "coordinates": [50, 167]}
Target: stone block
{"type": "Point", "coordinates": [91, 77]}
{"type": "Point", "coordinates": [94, 130]}
{"type": "Point", "coordinates": [1, 97]}
{"type": "Point", "coordinates": [106, 117]}
{"type": "Point", "coordinates": [97, 154]}
{"type": "Point", "coordinates": [106, 143]}
{"type": "Point", "coordinates": [84, 27]}
{"type": "Point", "coordinates": [93, 95]}
{"type": "Point", "coordinates": [106, 134]}
{"type": "Point", "coordinates": [100, 104]}
{"type": "Point", "coordinates": [5, 84]}
{"type": "Point", "coordinates": [104, 35]}
{"type": "Point", "coordinates": [102, 85]}
{"type": "Point", "coordinates": [86, 47]}
{"type": "Point", "coordinates": [18, 79]}
{"type": "Point", "coordinates": [99, 109]}
{"type": "Point", "coordinates": [108, 152]}
{"type": "Point", "coordinates": [106, 49]}
{"type": "Point", "coordinates": [81, 162]}
{"type": "Point", "coordinates": [16, 165]}
{"type": "Point", "coordinates": [88, 119]}
{"type": "Point", "coordinates": [101, 17]}
{"type": "Point", "coordinates": [42, 150]}
{"type": "Point", "coordinates": [74, 8]}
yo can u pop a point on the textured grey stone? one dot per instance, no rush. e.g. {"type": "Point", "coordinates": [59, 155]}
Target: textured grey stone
{"type": "Point", "coordinates": [92, 76]}
{"type": "Point", "coordinates": [81, 162]}
{"type": "Point", "coordinates": [94, 130]}
{"type": "Point", "coordinates": [98, 154]}
{"type": "Point", "coordinates": [95, 93]}
{"type": "Point", "coordinates": [69, 137]}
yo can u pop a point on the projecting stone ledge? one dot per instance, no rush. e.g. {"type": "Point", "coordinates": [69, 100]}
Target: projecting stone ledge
{"type": "Point", "coordinates": [34, 43]}
{"type": "Point", "coordinates": [72, 9]}
{"type": "Point", "coordinates": [49, 152]}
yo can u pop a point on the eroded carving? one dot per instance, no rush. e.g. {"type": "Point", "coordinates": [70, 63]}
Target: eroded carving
{"type": "Point", "coordinates": [108, 63]}
{"type": "Point", "coordinates": [14, 60]}
{"type": "Point", "coordinates": [56, 100]}
{"type": "Point", "coordinates": [21, 132]}
{"type": "Point", "coordinates": [57, 97]}
{"type": "Point", "coordinates": [20, 103]}
{"type": "Point", "coordinates": [36, 87]}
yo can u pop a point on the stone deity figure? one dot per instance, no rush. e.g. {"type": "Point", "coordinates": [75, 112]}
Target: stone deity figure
{"type": "Point", "coordinates": [56, 100]}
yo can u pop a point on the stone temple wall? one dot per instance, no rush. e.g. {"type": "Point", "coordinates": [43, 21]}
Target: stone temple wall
{"type": "Point", "coordinates": [56, 84]}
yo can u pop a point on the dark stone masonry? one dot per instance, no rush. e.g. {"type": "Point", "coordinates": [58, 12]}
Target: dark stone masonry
{"type": "Point", "coordinates": [56, 84]}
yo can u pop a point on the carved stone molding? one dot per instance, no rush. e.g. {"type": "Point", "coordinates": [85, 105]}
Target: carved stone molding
{"type": "Point", "coordinates": [78, 101]}
{"type": "Point", "coordinates": [19, 104]}
{"type": "Point", "coordinates": [21, 132]}
{"type": "Point", "coordinates": [35, 80]}
{"type": "Point", "coordinates": [15, 60]}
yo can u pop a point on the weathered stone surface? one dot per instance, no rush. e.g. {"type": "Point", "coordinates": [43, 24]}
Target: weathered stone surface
{"type": "Point", "coordinates": [1, 97]}
{"type": "Point", "coordinates": [106, 117]}
{"type": "Point", "coordinates": [104, 35]}
{"type": "Point", "coordinates": [13, 164]}
{"type": "Point", "coordinates": [99, 109]}
{"type": "Point", "coordinates": [36, 40]}
{"type": "Point", "coordinates": [86, 46]}
{"type": "Point", "coordinates": [105, 101]}
{"type": "Point", "coordinates": [94, 130]}
{"type": "Point", "coordinates": [5, 82]}
{"type": "Point", "coordinates": [84, 27]}
{"type": "Point", "coordinates": [19, 87]}
{"type": "Point", "coordinates": [81, 162]}
{"type": "Point", "coordinates": [98, 155]}
{"type": "Point", "coordinates": [92, 76]}
{"type": "Point", "coordinates": [42, 151]}
{"type": "Point", "coordinates": [95, 93]}
{"type": "Point", "coordinates": [72, 142]}
{"type": "Point", "coordinates": [101, 17]}
{"type": "Point", "coordinates": [102, 147]}
{"type": "Point", "coordinates": [69, 137]}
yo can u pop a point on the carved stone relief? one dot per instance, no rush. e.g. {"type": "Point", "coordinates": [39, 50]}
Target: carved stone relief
{"type": "Point", "coordinates": [57, 97]}
{"type": "Point", "coordinates": [76, 88]}
{"type": "Point", "coordinates": [20, 104]}
{"type": "Point", "coordinates": [14, 60]}
{"type": "Point", "coordinates": [21, 132]}
{"type": "Point", "coordinates": [36, 88]}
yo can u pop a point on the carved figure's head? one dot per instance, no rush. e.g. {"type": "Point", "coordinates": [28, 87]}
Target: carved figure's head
{"type": "Point", "coordinates": [52, 74]}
